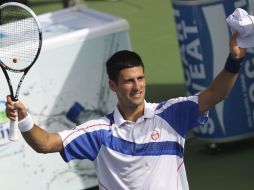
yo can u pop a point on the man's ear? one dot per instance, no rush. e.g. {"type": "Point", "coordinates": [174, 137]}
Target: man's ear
{"type": "Point", "coordinates": [112, 85]}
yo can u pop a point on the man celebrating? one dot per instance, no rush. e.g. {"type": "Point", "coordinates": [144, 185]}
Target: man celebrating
{"type": "Point", "coordinates": [140, 145]}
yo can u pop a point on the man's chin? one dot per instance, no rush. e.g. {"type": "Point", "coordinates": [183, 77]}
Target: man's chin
{"type": "Point", "coordinates": [137, 103]}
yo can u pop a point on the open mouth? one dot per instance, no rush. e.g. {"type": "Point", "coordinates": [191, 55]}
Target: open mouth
{"type": "Point", "coordinates": [136, 94]}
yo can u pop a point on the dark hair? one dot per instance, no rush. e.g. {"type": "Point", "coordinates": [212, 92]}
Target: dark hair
{"type": "Point", "coordinates": [122, 60]}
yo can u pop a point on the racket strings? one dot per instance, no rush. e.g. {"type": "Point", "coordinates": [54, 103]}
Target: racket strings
{"type": "Point", "coordinates": [19, 40]}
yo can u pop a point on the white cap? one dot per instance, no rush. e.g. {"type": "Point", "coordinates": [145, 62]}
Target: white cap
{"type": "Point", "coordinates": [243, 23]}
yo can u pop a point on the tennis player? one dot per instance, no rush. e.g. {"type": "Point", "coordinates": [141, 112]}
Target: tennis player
{"type": "Point", "coordinates": [140, 145]}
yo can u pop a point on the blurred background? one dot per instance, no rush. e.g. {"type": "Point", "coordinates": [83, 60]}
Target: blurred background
{"type": "Point", "coordinates": [152, 33]}
{"type": "Point", "coordinates": [210, 164]}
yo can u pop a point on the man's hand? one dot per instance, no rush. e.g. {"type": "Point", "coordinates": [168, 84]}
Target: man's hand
{"type": "Point", "coordinates": [236, 51]}
{"type": "Point", "coordinates": [14, 109]}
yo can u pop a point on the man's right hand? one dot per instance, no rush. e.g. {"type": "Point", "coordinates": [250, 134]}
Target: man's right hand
{"type": "Point", "coordinates": [15, 109]}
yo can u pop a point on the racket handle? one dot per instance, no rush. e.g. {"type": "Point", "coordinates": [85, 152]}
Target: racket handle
{"type": "Point", "coordinates": [13, 135]}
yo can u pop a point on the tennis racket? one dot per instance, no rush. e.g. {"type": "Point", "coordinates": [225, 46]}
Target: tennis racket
{"type": "Point", "coordinates": [20, 46]}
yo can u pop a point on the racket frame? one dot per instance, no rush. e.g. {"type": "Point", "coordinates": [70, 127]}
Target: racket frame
{"type": "Point", "coordinates": [5, 68]}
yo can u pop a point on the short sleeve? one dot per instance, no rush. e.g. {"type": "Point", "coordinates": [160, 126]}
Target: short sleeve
{"type": "Point", "coordinates": [182, 114]}
{"type": "Point", "coordinates": [82, 143]}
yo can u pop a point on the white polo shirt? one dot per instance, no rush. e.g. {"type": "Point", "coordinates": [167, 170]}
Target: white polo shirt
{"type": "Point", "coordinates": [142, 155]}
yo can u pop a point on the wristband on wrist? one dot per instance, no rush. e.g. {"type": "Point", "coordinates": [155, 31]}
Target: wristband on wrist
{"type": "Point", "coordinates": [26, 124]}
{"type": "Point", "coordinates": [233, 65]}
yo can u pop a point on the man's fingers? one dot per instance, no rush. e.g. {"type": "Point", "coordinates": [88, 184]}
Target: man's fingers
{"type": "Point", "coordinates": [233, 39]}
{"type": "Point", "coordinates": [10, 108]}
{"type": "Point", "coordinates": [235, 34]}
{"type": "Point", "coordinates": [11, 112]}
{"type": "Point", "coordinates": [8, 98]}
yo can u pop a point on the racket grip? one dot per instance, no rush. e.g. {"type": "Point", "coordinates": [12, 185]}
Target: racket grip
{"type": "Point", "coordinates": [14, 133]}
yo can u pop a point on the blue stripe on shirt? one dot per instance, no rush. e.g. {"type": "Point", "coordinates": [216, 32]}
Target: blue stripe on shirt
{"type": "Point", "coordinates": [87, 146]}
{"type": "Point", "coordinates": [181, 116]}
{"type": "Point", "coordinates": [146, 149]}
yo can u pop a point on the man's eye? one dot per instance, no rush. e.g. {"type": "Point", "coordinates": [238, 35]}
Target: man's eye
{"type": "Point", "coordinates": [127, 81]}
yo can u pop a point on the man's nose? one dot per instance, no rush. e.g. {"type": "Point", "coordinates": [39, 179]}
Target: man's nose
{"type": "Point", "coordinates": [136, 84]}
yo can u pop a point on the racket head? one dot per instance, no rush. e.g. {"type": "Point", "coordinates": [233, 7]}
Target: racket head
{"type": "Point", "coordinates": [20, 37]}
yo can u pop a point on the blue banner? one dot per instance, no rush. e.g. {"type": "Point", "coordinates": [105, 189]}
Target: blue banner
{"type": "Point", "coordinates": [203, 37]}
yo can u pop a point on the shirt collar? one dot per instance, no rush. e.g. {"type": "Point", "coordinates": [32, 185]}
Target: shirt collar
{"type": "Point", "coordinates": [148, 113]}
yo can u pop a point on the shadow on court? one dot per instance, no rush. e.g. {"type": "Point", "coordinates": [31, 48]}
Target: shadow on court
{"type": "Point", "coordinates": [230, 167]}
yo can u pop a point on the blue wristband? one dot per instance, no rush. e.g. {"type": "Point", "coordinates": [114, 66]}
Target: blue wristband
{"type": "Point", "coordinates": [233, 65]}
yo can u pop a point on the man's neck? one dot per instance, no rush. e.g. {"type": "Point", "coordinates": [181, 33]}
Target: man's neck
{"type": "Point", "coordinates": [132, 114]}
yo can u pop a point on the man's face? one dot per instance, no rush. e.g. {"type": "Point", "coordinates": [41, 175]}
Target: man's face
{"type": "Point", "coordinates": [130, 88]}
